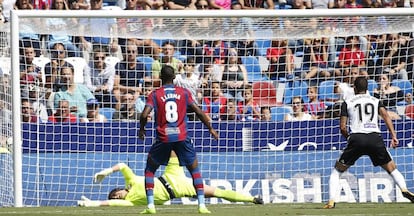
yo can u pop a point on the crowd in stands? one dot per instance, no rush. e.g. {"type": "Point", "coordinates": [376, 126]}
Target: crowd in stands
{"type": "Point", "coordinates": [100, 79]}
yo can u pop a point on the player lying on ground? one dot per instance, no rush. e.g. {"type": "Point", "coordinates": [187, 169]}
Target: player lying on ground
{"type": "Point", "coordinates": [172, 184]}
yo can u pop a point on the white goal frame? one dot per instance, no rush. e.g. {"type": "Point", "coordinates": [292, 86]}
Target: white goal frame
{"type": "Point", "coordinates": [16, 15]}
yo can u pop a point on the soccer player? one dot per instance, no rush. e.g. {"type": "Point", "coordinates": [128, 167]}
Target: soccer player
{"type": "Point", "coordinates": [171, 104]}
{"type": "Point", "coordinates": [172, 184]}
{"type": "Point", "coordinates": [362, 111]}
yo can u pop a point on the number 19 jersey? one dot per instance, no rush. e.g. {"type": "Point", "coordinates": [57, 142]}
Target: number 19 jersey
{"type": "Point", "coordinates": [362, 111]}
{"type": "Point", "coordinates": [170, 104]}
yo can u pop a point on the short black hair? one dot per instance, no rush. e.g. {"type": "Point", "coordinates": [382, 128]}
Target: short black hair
{"type": "Point", "coordinates": [361, 84]}
{"type": "Point", "coordinates": [167, 74]}
{"type": "Point", "coordinates": [113, 192]}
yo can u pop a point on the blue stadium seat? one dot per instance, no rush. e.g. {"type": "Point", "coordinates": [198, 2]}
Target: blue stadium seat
{"type": "Point", "coordinates": [254, 72]}
{"type": "Point", "coordinates": [372, 84]}
{"type": "Point", "coordinates": [262, 46]}
{"type": "Point", "coordinates": [278, 113]}
{"type": "Point", "coordinates": [107, 112]}
{"type": "Point", "coordinates": [295, 88]}
{"type": "Point", "coordinates": [405, 85]}
{"type": "Point", "coordinates": [326, 92]}
{"type": "Point", "coordinates": [147, 62]}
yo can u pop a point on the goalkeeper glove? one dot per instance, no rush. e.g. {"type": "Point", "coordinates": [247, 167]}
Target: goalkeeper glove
{"type": "Point", "coordinates": [98, 177]}
{"type": "Point", "coordinates": [85, 202]}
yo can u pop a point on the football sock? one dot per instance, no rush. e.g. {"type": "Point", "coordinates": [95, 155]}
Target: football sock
{"type": "Point", "coordinates": [399, 179]}
{"type": "Point", "coordinates": [149, 186]}
{"type": "Point", "coordinates": [232, 196]}
{"type": "Point", "coordinates": [334, 184]}
{"type": "Point", "coordinates": [198, 185]}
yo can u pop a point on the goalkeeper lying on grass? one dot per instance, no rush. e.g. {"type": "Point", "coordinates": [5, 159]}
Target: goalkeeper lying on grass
{"type": "Point", "coordinates": [172, 184]}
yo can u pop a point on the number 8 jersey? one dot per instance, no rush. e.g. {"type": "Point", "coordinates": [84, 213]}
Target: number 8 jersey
{"type": "Point", "coordinates": [362, 111]}
{"type": "Point", "coordinates": [170, 104]}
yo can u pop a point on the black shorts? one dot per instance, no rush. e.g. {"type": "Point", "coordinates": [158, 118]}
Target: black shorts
{"type": "Point", "coordinates": [360, 144]}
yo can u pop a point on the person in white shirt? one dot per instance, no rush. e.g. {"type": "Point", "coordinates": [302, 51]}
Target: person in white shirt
{"type": "Point", "coordinates": [298, 112]}
{"type": "Point", "coordinates": [362, 112]}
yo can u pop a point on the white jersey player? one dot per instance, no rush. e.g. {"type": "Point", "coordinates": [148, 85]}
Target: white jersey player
{"type": "Point", "coordinates": [362, 112]}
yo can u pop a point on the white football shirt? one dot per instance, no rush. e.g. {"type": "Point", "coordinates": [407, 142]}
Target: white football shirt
{"type": "Point", "coordinates": [362, 111]}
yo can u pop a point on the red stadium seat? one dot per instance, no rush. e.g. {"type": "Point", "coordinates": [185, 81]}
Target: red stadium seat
{"type": "Point", "coordinates": [264, 93]}
{"type": "Point", "coordinates": [409, 111]}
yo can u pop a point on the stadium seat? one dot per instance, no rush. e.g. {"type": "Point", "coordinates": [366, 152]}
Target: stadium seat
{"type": "Point", "coordinates": [409, 111]}
{"type": "Point", "coordinates": [79, 65]}
{"type": "Point", "coordinates": [405, 85]}
{"type": "Point", "coordinates": [254, 71]}
{"type": "Point", "coordinates": [278, 113]}
{"type": "Point", "coordinates": [41, 63]}
{"type": "Point", "coordinates": [147, 62]}
{"type": "Point", "coordinates": [107, 112]}
{"type": "Point", "coordinates": [262, 46]}
{"type": "Point", "coordinates": [264, 93]}
{"type": "Point", "coordinates": [295, 88]}
{"type": "Point", "coordinates": [5, 65]}
{"type": "Point", "coordinates": [326, 92]}
{"type": "Point", "coordinates": [372, 84]}
{"type": "Point", "coordinates": [111, 60]}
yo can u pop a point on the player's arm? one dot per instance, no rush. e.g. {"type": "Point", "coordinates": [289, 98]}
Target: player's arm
{"type": "Point", "coordinates": [85, 202]}
{"type": "Point", "coordinates": [384, 114]}
{"type": "Point", "coordinates": [143, 121]}
{"type": "Point", "coordinates": [202, 116]}
{"type": "Point", "coordinates": [126, 172]}
{"type": "Point", "coordinates": [344, 120]}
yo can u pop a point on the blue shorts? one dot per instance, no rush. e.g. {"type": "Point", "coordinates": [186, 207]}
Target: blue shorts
{"type": "Point", "coordinates": [160, 152]}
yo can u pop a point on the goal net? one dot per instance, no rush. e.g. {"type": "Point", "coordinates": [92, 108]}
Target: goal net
{"type": "Point", "coordinates": [71, 67]}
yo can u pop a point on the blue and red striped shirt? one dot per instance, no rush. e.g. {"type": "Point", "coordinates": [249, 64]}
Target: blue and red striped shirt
{"type": "Point", "coordinates": [170, 105]}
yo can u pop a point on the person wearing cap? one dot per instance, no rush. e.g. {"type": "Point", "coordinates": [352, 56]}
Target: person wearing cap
{"type": "Point", "coordinates": [93, 114]}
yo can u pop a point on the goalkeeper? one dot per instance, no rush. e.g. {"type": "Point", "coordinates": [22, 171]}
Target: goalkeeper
{"type": "Point", "coordinates": [172, 184]}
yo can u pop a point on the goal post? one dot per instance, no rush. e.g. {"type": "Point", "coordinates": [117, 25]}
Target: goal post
{"type": "Point", "coordinates": [282, 161]}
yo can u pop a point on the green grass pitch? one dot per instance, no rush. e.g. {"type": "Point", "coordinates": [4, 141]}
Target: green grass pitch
{"type": "Point", "coordinates": [225, 210]}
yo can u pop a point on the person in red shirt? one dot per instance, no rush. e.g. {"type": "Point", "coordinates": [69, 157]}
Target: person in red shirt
{"type": "Point", "coordinates": [63, 114]}
{"type": "Point", "coordinates": [171, 104]}
{"type": "Point", "coordinates": [350, 56]}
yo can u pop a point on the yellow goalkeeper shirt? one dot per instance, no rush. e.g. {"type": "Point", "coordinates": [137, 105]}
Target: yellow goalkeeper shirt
{"type": "Point", "coordinates": [136, 187]}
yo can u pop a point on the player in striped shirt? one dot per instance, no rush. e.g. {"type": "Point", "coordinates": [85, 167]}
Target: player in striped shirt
{"type": "Point", "coordinates": [171, 104]}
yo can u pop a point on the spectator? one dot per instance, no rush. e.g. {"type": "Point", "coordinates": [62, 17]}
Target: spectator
{"type": "Point", "coordinates": [408, 98]}
{"type": "Point", "coordinates": [142, 99]}
{"type": "Point", "coordinates": [99, 78]}
{"type": "Point", "coordinates": [280, 58]}
{"type": "Point", "coordinates": [27, 112]}
{"type": "Point", "coordinates": [234, 76]}
{"type": "Point", "coordinates": [63, 113]}
{"type": "Point", "coordinates": [241, 28]}
{"type": "Point", "coordinates": [181, 4]}
{"type": "Point", "coordinates": [248, 108]}
{"type": "Point", "coordinates": [93, 114]}
{"type": "Point", "coordinates": [37, 100]}
{"type": "Point", "coordinates": [315, 59]}
{"type": "Point", "coordinates": [130, 73]}
{"type": "Point", "coordinates": [98, 26]}
{"type": "Point", "coordinates": [168, 49]}
{"type": "Point", "coordinates": [127, 112]}
{"type": "Point", "coordinates": [301, 4]}
{"type": "Point", "coordinates": [389, 95]}
{"type": "Point", "coordinates": [53, 68]}
{"type": "Point", "coordinates": [266, 114]}
{"type": "Point", "coordinates": [189, 79]}
{"type": "Point", "coordinates": [393, 56]}
{"type": "Point", "coordinates": [231, 113]}
{"type": "Point", "coordinates": [299, 113]}
{"type": "Point", "coordinates": [27, 35]}
{"type": "Point", "coordinates": [75, 94]}
{"type": "Point", "coordinates": [251, 5]}
{"type": "Point", "coordinates": [350, 55]}
{"type": "Point", "coordinates": [29, 72]}
{"type": "Point", "coordinates": [214, 4]}
{"type": "Point", "coordinates": [314, 107]}
{"type": "Point", "coordinates": [59, 28]}
{"type": "Point", "coordinates": [214, 103]}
